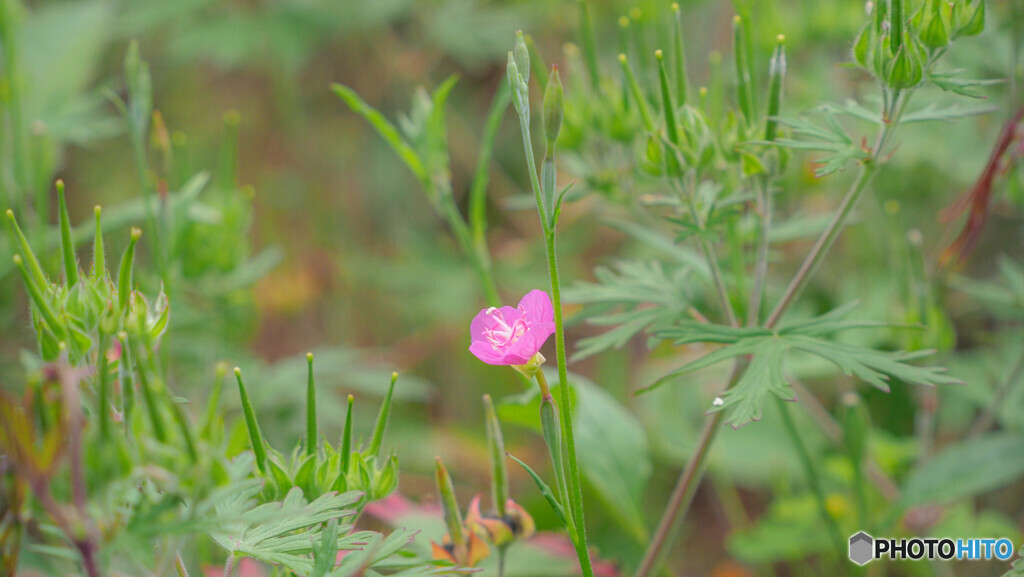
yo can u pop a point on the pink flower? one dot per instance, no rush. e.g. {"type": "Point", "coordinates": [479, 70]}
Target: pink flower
{"type": "Point", "coordinates": [512, 336]}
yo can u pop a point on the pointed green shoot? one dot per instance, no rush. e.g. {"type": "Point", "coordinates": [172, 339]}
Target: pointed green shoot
{"type": "Point", "coordinates": [213, 403]}
{"type": "Point", "coordinates": [776, 80]}
{"type": "Point", "coordinates": [103, 385]}
{"type": "Point", "coordinates": [67, 245]}
{"type": "Point", "coordinates": [638, 96]}
{"type": "Point", "coordinates": [382, 418]}
{"type": "Point", "coordinates": [255, 437]}
{"type": "Point", "coordinates": [31, 262]}
{"type": "Point", "coordinates": [346, 437]}
{"type": "Point", "coordinates": [499, 471]}
{"type": "Point", "coordinates": [551, 429]}
{"type": "Point", "coordinates": [124, 276]}
{"type": "Point", "coordinates": [99, 257]}
{"type": "Point", "coordinates": [744, 91]}
{"type": "Point", "coordinates": [452, 516]}
{"type": "Point", "coordinates": [589, 45]}
{"type": "Point", "coordinates": [40, 301]}
{"type": "Point", "coordinates": [311, 439]}
{"type": "Point", "coordinates": [667, 103]}
{"type": "Point", "coordinates": [679, 54]}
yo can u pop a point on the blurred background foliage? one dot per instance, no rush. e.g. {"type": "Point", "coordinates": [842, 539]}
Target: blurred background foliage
{"type": "Point", "coordinates": [333, 248]}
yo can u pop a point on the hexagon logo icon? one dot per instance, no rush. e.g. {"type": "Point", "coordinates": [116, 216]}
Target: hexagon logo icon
{"type": "Point", "coordinates": [861, 548]}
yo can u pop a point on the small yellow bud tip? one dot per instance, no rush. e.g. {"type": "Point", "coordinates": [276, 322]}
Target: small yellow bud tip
{"type": "Point", "coordinates": [17, 260]}
{"type": "Point", "coordinates": [623, 21]}
{"type": "Point", "coordinates": [658, 54]}
{"type": "Point", "coordinates": [309, 356]}
{"type": "Point", "coordinates": [136, 233]}
{"type": "Point", "coordinates": [97, 210]}
{"type": "Point", "coordinates": [675, 7]}
{"type": "Point", "coordinates": [10, 214]}
{"type": "Point", "coordinates": [487, 398]}
{"type": "Point", "coordinates": [780, 38]}
{"type": "Point", "coordinates": [351, 399]}
{"type": "Point", "coordinates": [238, 372]}
{"type": "Point", "coordinates": [394, 376]}
{"type": "Point", "coordinates": [232, 117]}
{"type": "Point", "coordinates": [62, 345]}
{"type": "Point", "coordinates": [736, 19]}
{"type": "Point", "coordinates": [635, 13]}
{"type": "Point", "coordinates": [622, 58]}
{"type": "Point", "coordinates": [59, 184]}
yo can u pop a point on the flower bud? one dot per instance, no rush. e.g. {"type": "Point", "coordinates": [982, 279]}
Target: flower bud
{"type": "Point", "coordinates": [521, 54]}
{"type": "Point", "coordinates": [512, 70]}
{"type": "Point", "coordinates": [906, 68]}
{"type": "Point", "coordinates": [553, 107]}
{"type": "Point", "coordinates": [934, 32]}
{"type": "Point", "coordinates": [970, 18]}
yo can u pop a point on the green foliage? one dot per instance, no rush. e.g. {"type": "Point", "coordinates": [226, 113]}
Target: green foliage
{"type": "Point", "coordinates": [768, 348]}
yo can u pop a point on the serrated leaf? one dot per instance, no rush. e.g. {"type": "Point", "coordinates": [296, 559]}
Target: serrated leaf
{"type": "Point", "coordinates": [769, 348]}
{"type": "Point", "coordinates": [934, 112]}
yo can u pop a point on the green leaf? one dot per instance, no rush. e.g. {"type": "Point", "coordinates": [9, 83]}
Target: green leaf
{"type": "Point", "coordinates": [934, 112]}
{"type": "Point", "coordinates": [613, 454]}
{"type": "Point", "coordinates": [966, 469]}
{"type": "Point", "coordinates": [633, 286]}
{"type": "Point", "coordinates": [386, 130]}
{"type": "Point", "coordinates": [832, 139]}
{"type": "Point", "coordinates": [745, 400]}
{"type": "Point", "coordinates": [545, 490]}
{"type": "Point", "coordinates": [286, 532]}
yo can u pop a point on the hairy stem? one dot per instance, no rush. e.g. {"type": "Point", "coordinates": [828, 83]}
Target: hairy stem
{"type": "Point", "coordinates": [813, 479]}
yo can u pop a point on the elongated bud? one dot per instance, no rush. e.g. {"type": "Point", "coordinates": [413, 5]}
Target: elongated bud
{"type": "Point", "coordinates": [744, 91]}
{"type": "Point", "coordinates": [452, 515]}
{"type": "Point", "coordinates": [382, 418]}
{"type": "Point", "coordinates": [99, 257]}
{"type": "Point", "coordinates": [679, 55]}
{"type": "Point", "coordinates": [346, 438]}
{"type": "Point", "coordinates": [31, 262]}
{"type": "Point", "coordinates": [667, 104]}
{"type": "Point", "coordinates": [638, 96]}
{"type": "Point", "coordinates": [522, 57]}
{"type": "Point", "coordinates": [124, 276]}
{"type": "Point", "coordinates": [895, 25]}
{"type": "Point", "coordinates": [554, 98]}
{"type": "Point", "coordinates": [512, 71]}
{"type": "Point", "coordinates": [496, 444]}
{"type": "Point", "coordinates": [552, 432]}
{"type": "Point", "coordinates": [67, 245]}
{"type": "Point", "coordinates": [43, 305]}
{"type": "Point", "coordinates": [311, 437]}
{"type": "Point", "coordinates": [255, 437]}
{"type": "Point", "coordinates": [776, 82]}
{"type": "Point", "coordinates": [589, 44]}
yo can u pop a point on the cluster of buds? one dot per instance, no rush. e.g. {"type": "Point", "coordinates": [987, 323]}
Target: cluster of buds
{"type": "Point", "coordinates": [86, 307]}
{"type": "Point", "coordinates": [897, 48]}
{"type": "Point", "coordinates": [468, 541]}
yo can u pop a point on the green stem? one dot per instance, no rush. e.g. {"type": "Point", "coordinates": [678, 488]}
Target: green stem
{"type": "Point", "coordinates": [764, 201]}
{"type": "Point", "coordinates": [828, 237]}
{"type": "Point", "coordinates": [686, 487]}
{"type": "Point", "coordinates": [813, 479]}
{"type": "Point", "coordinates": [574, 484]}
{"type": "Point", "coordinates": [311, 439]}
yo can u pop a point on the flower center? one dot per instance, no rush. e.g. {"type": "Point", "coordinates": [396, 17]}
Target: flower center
{"type": "Point", "coordinates": [500, 333]}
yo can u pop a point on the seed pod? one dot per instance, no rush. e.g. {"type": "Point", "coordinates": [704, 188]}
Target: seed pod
{"type": "Point", "coordinates": [744, 90]}
{"type": "Point", "coordinates": [896, 25]}
{"type": "Point", "coordinates": [634, 89]}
